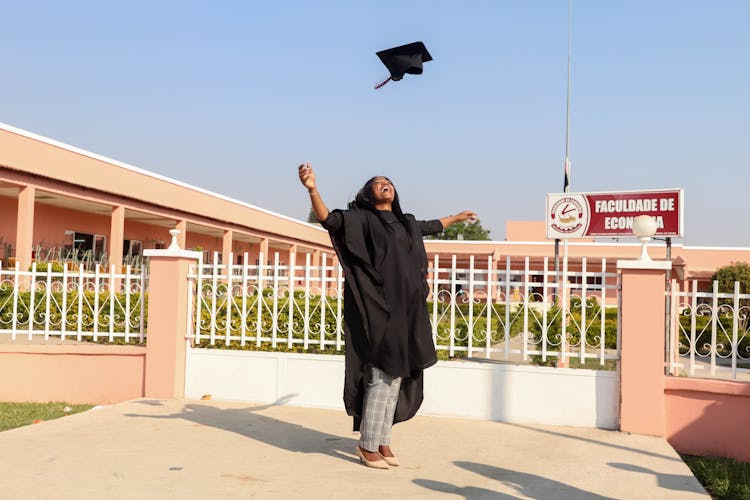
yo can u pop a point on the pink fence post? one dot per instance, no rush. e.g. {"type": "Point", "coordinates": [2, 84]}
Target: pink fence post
{"type": "Point", "coordinates": [642, 346]}
{"type": "Point", "coordinates": [168, 321]}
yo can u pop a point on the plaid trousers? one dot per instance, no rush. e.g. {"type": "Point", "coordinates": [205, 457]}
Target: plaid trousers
{"type": "Point", "coordinates": [381, 395]}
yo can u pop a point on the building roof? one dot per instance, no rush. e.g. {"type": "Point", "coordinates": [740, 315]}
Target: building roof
{"type": "Point", "coordinates": [40, 156]}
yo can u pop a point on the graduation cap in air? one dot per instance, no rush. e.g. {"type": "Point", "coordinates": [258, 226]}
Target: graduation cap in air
{"type": "Point", "coordinates": [403, 59]}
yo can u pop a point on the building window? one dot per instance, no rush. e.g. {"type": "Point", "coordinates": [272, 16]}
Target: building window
{"type": "Point", "coordinates": [95, 244]}
{"type": "Point", "coordinates": [590, 280]}
{"type": "Point", "coordinates": [132, 248]}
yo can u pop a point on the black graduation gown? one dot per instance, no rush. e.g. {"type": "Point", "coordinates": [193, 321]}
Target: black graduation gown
{"type": "Point", "coordinates": [385, 311]}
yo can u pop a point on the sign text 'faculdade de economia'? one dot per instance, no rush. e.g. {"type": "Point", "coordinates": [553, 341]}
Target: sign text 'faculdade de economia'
{"type": "Point", "coordinates": [611, 214]}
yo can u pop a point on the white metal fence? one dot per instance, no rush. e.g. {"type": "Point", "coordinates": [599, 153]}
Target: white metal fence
{"type": "Point", "coordinates": [72, 304]}
{"type": "Point", "coordinates": [709, 332]}
{"type": "Point", "coordinates": [476, 309]}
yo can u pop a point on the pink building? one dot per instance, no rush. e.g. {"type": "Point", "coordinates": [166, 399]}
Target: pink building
{"type": "Point", "coordinates": [54, 196]}
{"type": "Point", "coordinates": [57, 197]}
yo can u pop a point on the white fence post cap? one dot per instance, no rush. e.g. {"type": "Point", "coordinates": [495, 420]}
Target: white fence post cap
{"type": "Point", "coordinates": [189, 254]}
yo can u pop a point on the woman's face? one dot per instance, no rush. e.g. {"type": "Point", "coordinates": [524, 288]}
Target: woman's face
{"type": "Point", "coordinates": [383, 190]}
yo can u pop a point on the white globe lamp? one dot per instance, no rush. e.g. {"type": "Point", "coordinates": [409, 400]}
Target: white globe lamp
{"type": "Point", "coordinates": [644, 227]}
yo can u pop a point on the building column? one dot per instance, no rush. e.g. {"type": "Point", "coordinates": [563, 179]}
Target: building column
{"type": "Point", "coordinates": [116, 237]}
{"type": "Point", "coordinates": [25, 226]}
{"type": "Point", "coordinates": [335, 263]}
{"type": "Point", "coordinates": [332, 260]}
{"type": "Point", "coordinates": [316, 273]}
{"type": "Point", "coordinates": [263, 251]}
{"type": "Point", "coordinates": [226, 250]}
{"type": "Point", "coordinates": [642, 338]}
{"type": "Point", "coordinates": [292, 263]}
{"type": "Point", "coordinates": [181, 226]}
{"type": "Point", "coordinates": [495, 265]}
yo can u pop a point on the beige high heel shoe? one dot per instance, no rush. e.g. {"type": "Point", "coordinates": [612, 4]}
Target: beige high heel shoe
{"type": "Point", "coordinates": [392, 461]}
{"type": "Point", "coordinates": [375, 464]}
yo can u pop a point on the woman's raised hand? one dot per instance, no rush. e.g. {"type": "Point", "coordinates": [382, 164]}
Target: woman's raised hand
{"type": "Point", "coordinates": [307, 176]}
{"type": "Point", "coordinates": [466, 215]}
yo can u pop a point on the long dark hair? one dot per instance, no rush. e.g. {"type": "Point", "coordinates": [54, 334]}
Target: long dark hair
{"type": "Point", "coordinates": [364, 201]}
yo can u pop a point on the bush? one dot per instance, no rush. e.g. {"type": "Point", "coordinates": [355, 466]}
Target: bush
{"type": "Point", "coordinates": [494, 327]}
{"type": "Point", "coordinates": [703, 333]}
{"type": "Point", "coordinates": [42, 267]}
{"type": "Point", "coordinates": [573, 329]}
{"type": "Point", "coordinates": [480, 328]}
{"type": "Point", "coordinates": [252, 303]}
{"type": "Point", "coordinates": [87, 314]}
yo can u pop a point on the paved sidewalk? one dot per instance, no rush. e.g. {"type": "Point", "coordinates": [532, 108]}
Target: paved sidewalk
{"type": "Point", "coordinates": [149, 449]}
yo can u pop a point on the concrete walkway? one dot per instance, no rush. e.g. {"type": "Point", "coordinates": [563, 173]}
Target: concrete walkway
{"type": "Point", "coordinates": [207, 449]}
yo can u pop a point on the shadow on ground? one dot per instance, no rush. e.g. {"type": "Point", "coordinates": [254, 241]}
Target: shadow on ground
{"type": "Point", "coordinates": [594, 441]}
{"type": "Point", "coordinates": [528, 485]}
{"type": "Point", "coordinates": [249, 423]}
{"type": "Point", "coordinates": [468, 492]}
{"type": "Point", "coordinates": [675, 482]}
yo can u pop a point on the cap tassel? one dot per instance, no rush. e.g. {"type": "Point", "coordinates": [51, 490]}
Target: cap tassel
{"type": "Point", "coordinates": [382, 83]}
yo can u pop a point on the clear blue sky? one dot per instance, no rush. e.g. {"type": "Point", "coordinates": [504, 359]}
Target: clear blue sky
{"type": "Point", "coordinates": [232, 96]}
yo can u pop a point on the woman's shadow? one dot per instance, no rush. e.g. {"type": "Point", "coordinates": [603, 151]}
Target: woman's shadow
{"type": "Point", "coordinates": [248, 423]}
{"type": "Point", "coordinates": [528, 485]}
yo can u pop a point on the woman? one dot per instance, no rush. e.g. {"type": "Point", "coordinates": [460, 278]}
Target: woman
{"type": "Point", "coordinates": [388, 335]}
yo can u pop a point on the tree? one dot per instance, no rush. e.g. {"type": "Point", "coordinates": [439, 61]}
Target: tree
{"type": "Point", "coordinates": [735, 271]}
{"type": "Point", "coordinates": [726, 276]}
{"type": "Point", "coordinates": [464, 231]}
{"type": "Point", "coordinates": [312, 218]}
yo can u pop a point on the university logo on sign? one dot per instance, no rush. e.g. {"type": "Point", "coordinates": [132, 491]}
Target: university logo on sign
{"type": "Point", "coordinates": [611, 214]}
{"type": "Point", "coordinates": [567, 215]}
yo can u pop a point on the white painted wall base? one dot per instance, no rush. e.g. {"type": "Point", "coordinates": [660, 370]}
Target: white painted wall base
{"type": "Point", "coordinates": [465, 389]}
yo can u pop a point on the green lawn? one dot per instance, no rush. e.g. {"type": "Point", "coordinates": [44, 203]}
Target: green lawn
{"type": "Point", "coordinates": [724, 478]}
{"type": "Point", "coordinates": [14, 415]}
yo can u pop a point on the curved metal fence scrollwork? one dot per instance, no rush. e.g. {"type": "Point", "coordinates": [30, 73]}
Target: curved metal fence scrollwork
{"type": "Point", "coordinates": [73, 304]}
{"type": "Point", "coordinates": [709, 332]}
{"type": "Point", "coordinates": [493, 311]}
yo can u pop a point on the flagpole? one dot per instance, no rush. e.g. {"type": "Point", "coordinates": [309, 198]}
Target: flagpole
{"type": "Point", "coordinates": [567, 108]}
{"type": "Point", "coordinates": [563, 361]}
{"type": "Point", "coordinates": [566, 182]}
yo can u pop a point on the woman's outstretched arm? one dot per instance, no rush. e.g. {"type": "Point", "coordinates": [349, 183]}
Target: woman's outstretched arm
{"type": "Point", "coordinates": [307, 177]}
{"type": "Point", "coordinates": [466, 215]}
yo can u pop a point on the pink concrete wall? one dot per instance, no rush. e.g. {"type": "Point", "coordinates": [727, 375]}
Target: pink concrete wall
{"type": "Point", "coordinates": [712, 258]}
{"type": "Point", "coordinates": [167, 325]}
{"type": "Point", "coordinates": [534, 230]}
{"type": "Point", "coordinates": [206, 242]}
{"type": "Point", "coordinates": [96, 374]}
{"type": "Point", "coordinates": [51, 222]}
{"type": "Point", "coordinates": [697, 416]}
{"type": "Point", "coordinates": [525, 230]}
{"type": "Point", "coordinates": [146, 233]}
{"type": "Point", "coordinates": [213, 244]}
{"type": "Point", "coordinates": [642, 348]}
{"type": "Point", "coordinates": [708, 417]}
